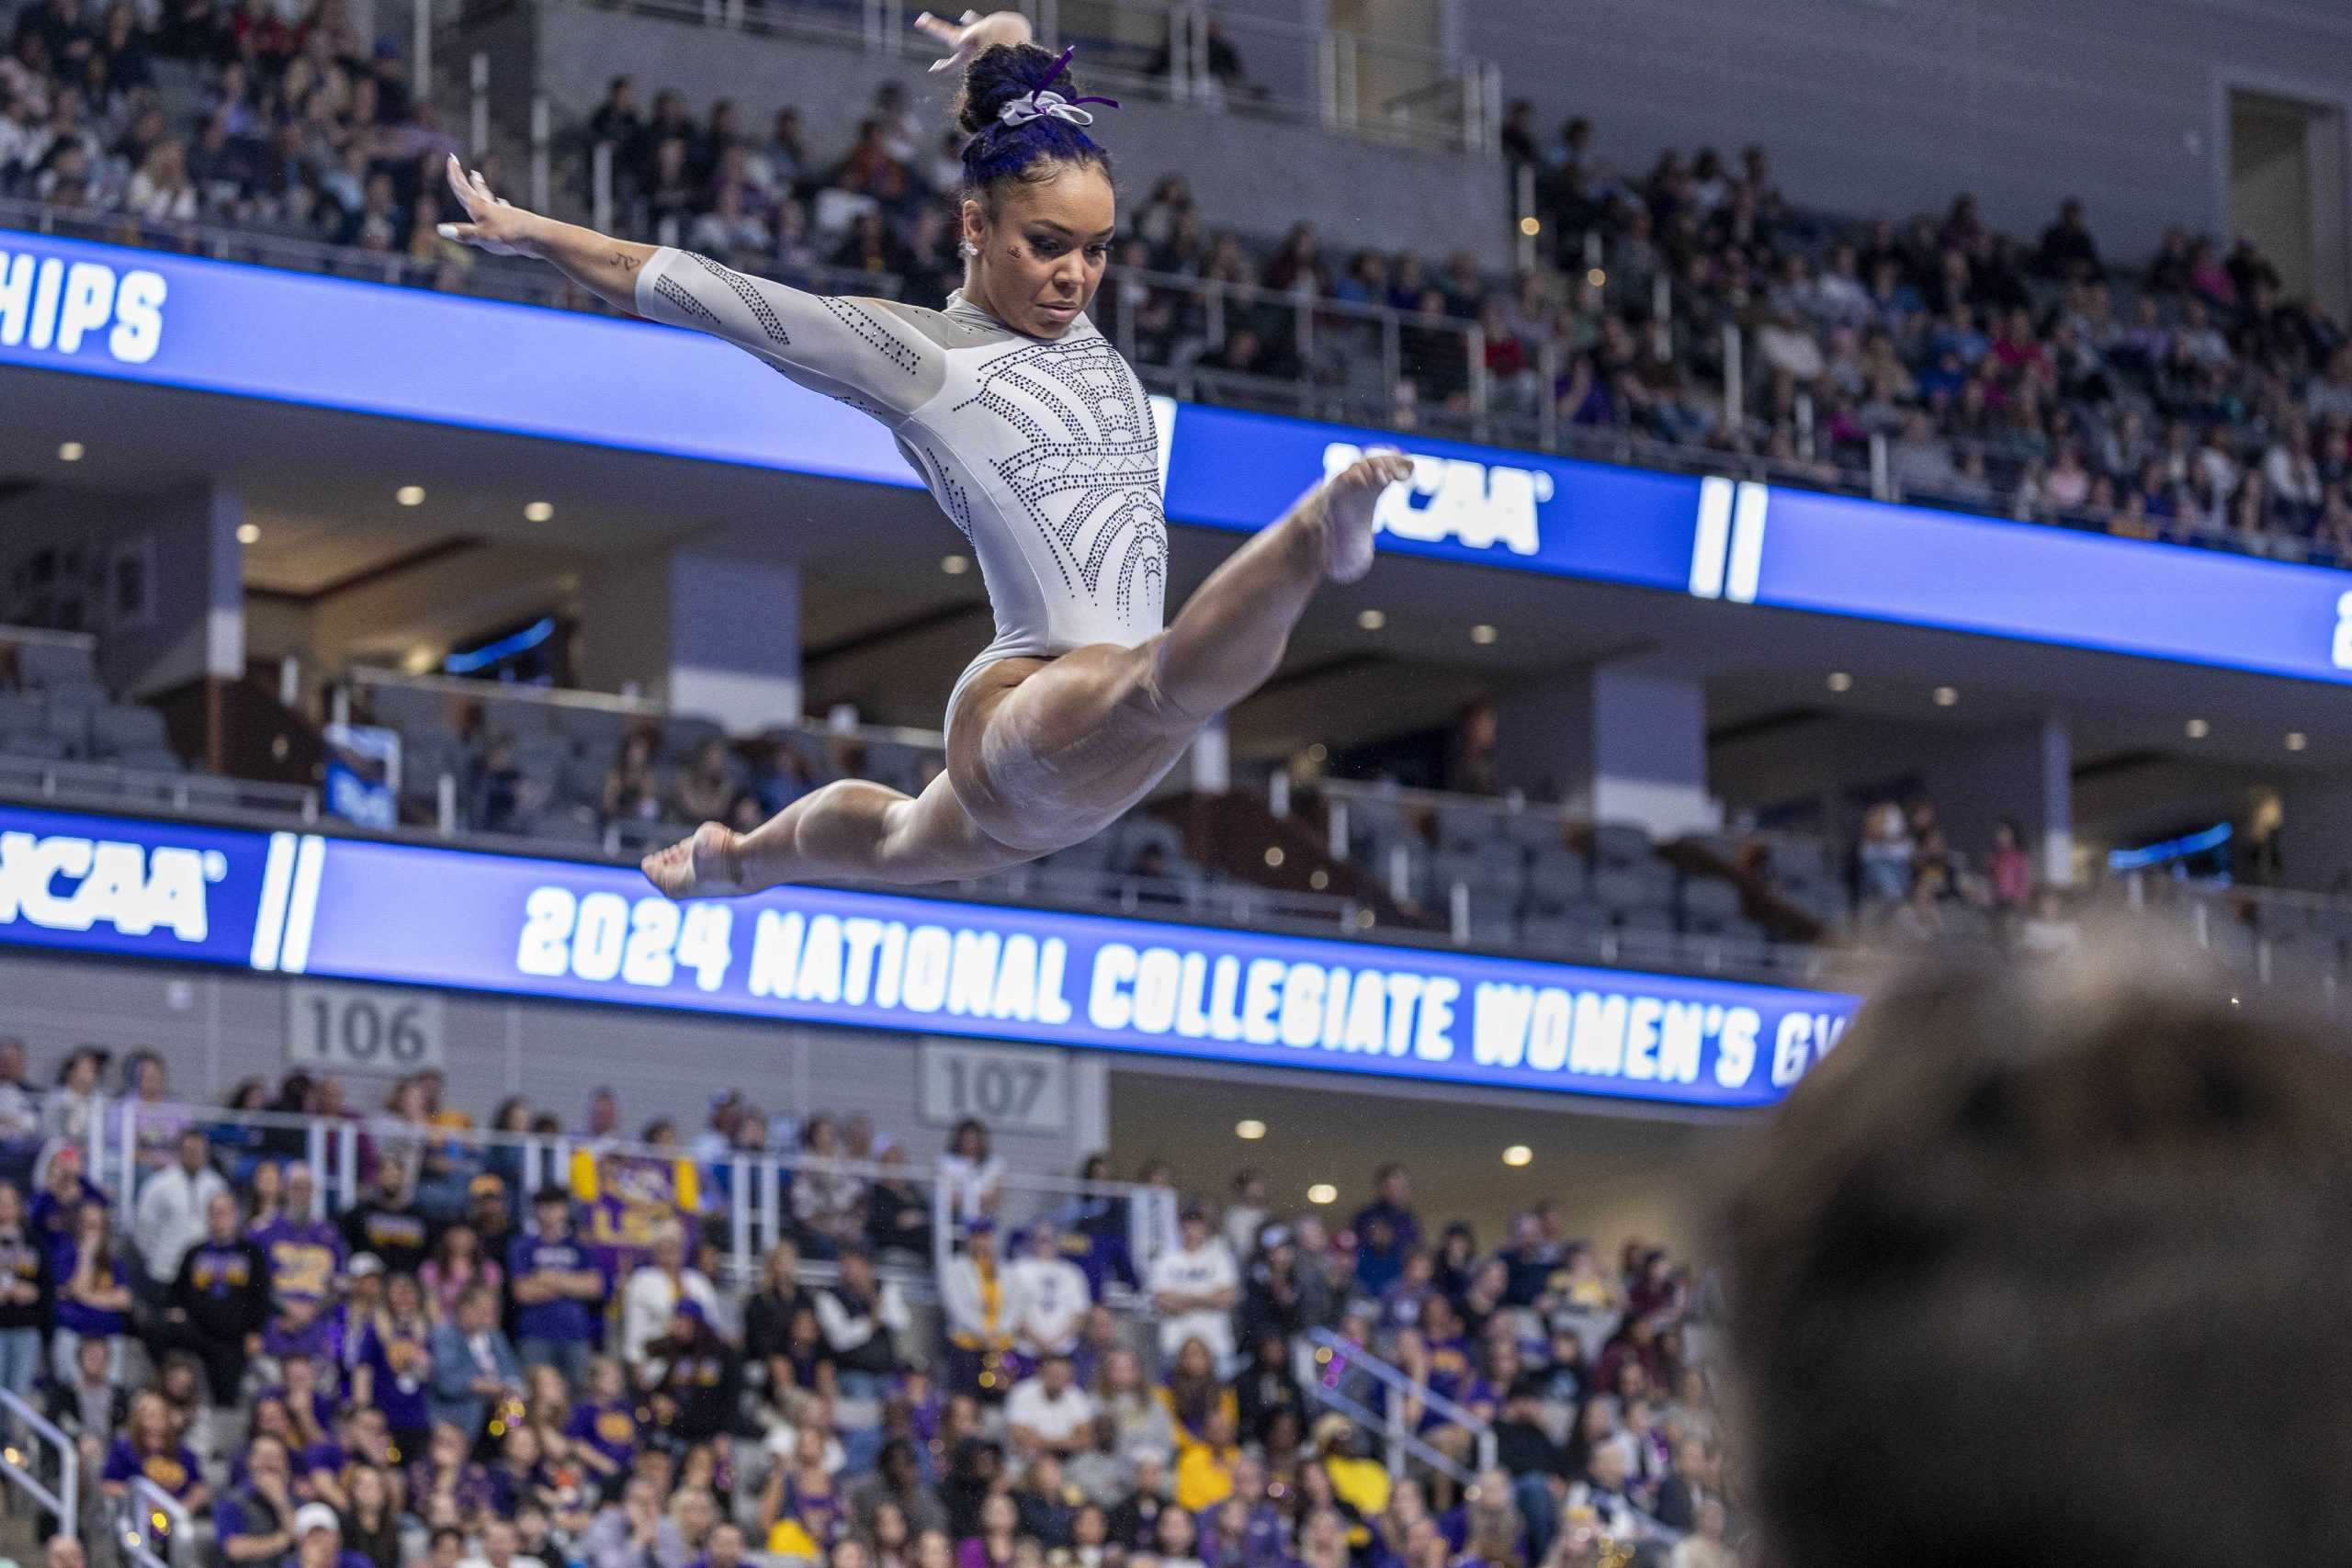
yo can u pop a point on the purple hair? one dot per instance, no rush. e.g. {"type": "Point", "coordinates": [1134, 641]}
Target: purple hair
{"type": "Point", "coordinates": [999, 152]}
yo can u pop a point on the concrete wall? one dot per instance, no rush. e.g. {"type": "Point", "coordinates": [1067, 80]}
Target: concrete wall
{"type": "Point", "coordinates": [1894, 106]}
{"type": "Point", "coordinates": [182, 544]}
{"type": "Point", "coordinates": [1256, 175]}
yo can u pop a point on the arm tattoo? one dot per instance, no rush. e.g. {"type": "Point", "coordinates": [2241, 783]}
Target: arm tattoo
{"type": "Point", "coordinates": [625, 261]}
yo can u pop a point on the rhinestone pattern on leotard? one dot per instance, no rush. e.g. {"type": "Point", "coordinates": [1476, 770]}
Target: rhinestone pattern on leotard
{"type": "Point", "coordinates": [1088, 474]}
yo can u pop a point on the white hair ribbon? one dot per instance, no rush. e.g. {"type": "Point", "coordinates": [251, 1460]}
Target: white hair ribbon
{"type": "Point", "coordinates": [1044, 106]}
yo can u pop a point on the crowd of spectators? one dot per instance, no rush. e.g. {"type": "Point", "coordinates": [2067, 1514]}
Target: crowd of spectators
{"type": "Point", "coordinates": [454, 1369]}
{"type": "Point", "coordinates": [1913, 887]}
{"type": "Point", "coordinates": [2179, 399]}
{"type": "Point", "coordinates": [2174, 398]}
{"type": "Point", "coordinates": [270, 115]}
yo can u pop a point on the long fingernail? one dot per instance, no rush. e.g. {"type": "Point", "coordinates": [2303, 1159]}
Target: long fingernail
{"type": "Point", "coordinates": [447, 230]}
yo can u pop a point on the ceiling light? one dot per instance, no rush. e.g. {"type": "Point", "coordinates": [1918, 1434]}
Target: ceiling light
{"type": "Point", "coordinates": [954, 566]}
{"type": "Point", "coordinates": [2297, 740]}
{"type": "Point", "coordinates": [1322, 1192]}
{"type": "Point", "coordinates": [1273, 854]}
{"type": "Point", "coordinates": [1371, 620]}
{"type": "Point", "coordinates": [1518, 1154]}
{"type": "Point", "coordinates": [1530, 226]}
{"type": "Point", "coordinates": [1319, 879]}
{"type": "Point", "coordinates": [1596, 277]}
{"type": "Point", "coordinates": [1840, 681]}
{"type": "Point", "coordinates": [538, 512]}
{"type": "Point", "coordinates": [410, 495]}
{"type": "Point", "coordinates": [70, 453]}
{"type": "Point", "coordinates": [1317, 752]}
{"type": "Point", "coordinates": [1946, 695]}
{"type": "Point", "coordinates": [1250, 1130]}
{"type": "Point", "coordinates": [2197, 728]}
{"type": "Point", "coordinates": [1482, 634]}
{"type": "Point", "coordinates": [248, 534]}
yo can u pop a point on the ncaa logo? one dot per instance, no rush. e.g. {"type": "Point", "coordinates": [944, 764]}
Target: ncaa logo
{"type": "Point", "coordinates": [65, 884]}
{"type": "Point", "coordinates": [1480, 505]}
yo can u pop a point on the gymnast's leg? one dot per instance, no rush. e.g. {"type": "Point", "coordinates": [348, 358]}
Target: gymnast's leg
{"type": "Point", "coordinates": [849, 831]}
{"type": "Point", "coordinates": [1230, 635]}
{"type": "Point", "coordinates": [1043, 756]}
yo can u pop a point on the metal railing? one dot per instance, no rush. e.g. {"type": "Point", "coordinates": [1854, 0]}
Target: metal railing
{"type": "Point", "coordinates": [87, 641]}
{"type": "Point", "coordinates": [748, 1192]}
{"type": "Point", "coordinates": [1187, 52]}
{"type": "Point", "coordinates": [23, 1424]}
{"type": "Point", "coordinates": [1044, 885]}
{"type": "Point", "coordinates": [102, 784]}
{"type": "Point", "coordinates": [2268, 936]}
{"type": "Point", "coordinates": [155, 1518]}
{"type": "Point", "coordinates": [1334, 1356]}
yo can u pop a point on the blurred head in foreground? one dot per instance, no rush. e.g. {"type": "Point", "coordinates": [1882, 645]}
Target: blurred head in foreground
{"type": "Point", "coordinates": [2052, 1265]}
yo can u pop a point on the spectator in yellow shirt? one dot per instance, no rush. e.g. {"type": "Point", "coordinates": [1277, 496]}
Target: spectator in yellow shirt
{"type": "Point", "coordinates": [1204, 1468]}
{"type": "Point", "coordinates": [1192, 1395]}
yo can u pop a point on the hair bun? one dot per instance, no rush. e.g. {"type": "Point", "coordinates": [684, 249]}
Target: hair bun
{"type": "Point", "coordinates": [996, 76]}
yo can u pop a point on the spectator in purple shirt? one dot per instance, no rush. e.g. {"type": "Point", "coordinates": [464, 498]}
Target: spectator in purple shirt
{"type": "Point", "coordinates": [64, 1191]}
{"type": "Point", "coordinates": [305, 1252]}
{"type": "Point", "coordinates": [604, 1424]}
{"type": "Point", "coordinates": [147, 1448]}
{"type": "Point", "coordinates": [1385, 1229]}
{"type": "Point", "coordinates": [559, 1292]}
{"type": "Point", "coordinates": [93, 1292]}
{"type": "Point", "coordinates": [395, 1370]}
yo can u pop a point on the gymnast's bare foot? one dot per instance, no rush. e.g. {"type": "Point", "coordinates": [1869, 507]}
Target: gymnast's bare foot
{"type": "Point", "coordinates": [1346, 500]}
{"type": "Point", "coordinates": [707, 865]}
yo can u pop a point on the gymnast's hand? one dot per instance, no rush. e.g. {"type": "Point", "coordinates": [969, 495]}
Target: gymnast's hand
{"type": "Point", "coordinates": [972, 33]}
{"type": "Point", "coordinates": [492, 224]}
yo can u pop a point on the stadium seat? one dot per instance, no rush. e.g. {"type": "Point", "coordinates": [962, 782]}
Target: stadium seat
{"type": "Point", "coordinates": [1138, 833]}
{"type": "Point", "coordinates": [1466, 829]}
{"type": "Point", "coordinates": [78, 696]}
{"type": "Point", "coordinates": [1536, 831]}
{"type": "Point", "coordinates": [588, 727]}
{"type": "Point", "coordinates": [19, 714]}
{"type": "Point", "coordinates": [71, 726]}
{"type": "Point", "coordinates": [1711, 898]}
{"type": "Point", "coordinates": [409, 709]}
{"type": "Point", "coordinates": [1616, 845]}
{"type": "Point", "coordinates": [1503, 871]}
{"type": "Point", "coordinates": [152, 760]}
{"type": "Point", "coordinates": [1649, 884]}
{"type": "Point", "coordinates": [35, 744]}
{"type": "Point", "coordinates": [121, 728]}
{"type": "Point", "coordinates": [51, 664]}
{"type": "Point", "coordinates": [684, 734]}
{"type": "Point", "coordinates": [1556, 877]}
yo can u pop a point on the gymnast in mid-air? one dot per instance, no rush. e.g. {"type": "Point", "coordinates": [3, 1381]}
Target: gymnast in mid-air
{"type": "Point", "coordinates": [1036, 437]}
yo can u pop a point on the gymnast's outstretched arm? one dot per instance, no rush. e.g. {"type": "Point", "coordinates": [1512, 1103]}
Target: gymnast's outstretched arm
{"type": "Point", "coordinates": [853, 349]}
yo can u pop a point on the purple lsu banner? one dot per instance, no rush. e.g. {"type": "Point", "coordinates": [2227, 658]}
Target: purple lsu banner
{"type": "Point", "coordinates": [369, 909]}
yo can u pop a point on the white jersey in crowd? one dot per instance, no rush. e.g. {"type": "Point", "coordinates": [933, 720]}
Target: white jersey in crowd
{"type": "Point", "coordinates": [1030, 1408]}
{"type": "Point", "coordinates": [1204, 1271]}
{"type": "Point", "coordinates": [1053, 1302]}
{"type": "Point", "coordinates": [1043, 451]}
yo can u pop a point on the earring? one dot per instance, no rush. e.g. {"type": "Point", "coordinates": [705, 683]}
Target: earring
{"type": "Point", "coordinates": [970, 249]}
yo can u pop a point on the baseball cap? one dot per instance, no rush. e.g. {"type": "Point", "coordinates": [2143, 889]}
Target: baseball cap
{"type": "Point", "coordinates": [363, 1264]}
{"type": "Point", "coordinates": [315, 1517]}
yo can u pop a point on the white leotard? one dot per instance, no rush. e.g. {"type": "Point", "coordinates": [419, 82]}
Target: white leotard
{"type": "Point", "coordinates": [1043, 451]}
